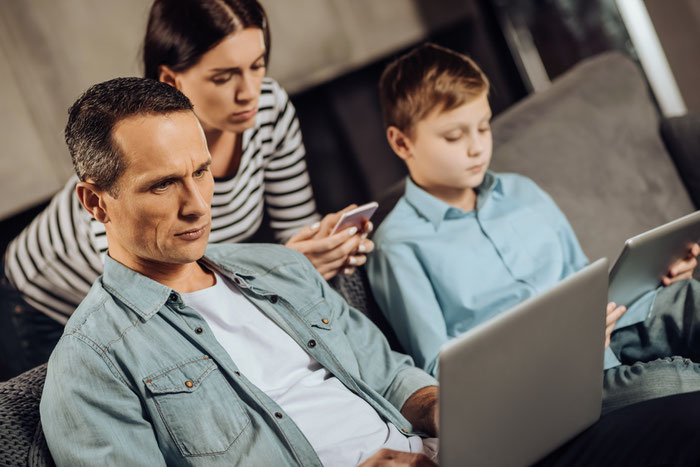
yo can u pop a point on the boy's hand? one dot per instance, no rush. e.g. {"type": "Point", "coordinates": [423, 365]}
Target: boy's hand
{"type": "Point", "coordinates": [683, 268]}
{"type": "Point", "coordinates": [332, 254]}
{"type": "Point", "coordinates": [612, 314]}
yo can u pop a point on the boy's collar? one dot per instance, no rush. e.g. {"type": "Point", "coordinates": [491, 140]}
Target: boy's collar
{"type": "Point", "coordinates": [436, 210]}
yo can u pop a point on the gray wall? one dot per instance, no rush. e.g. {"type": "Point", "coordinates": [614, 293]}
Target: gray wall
{"type": "Point", "coordinates": [52, 50]}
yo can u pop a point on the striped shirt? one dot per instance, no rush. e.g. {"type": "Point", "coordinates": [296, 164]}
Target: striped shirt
{"type": "Point", "coordinates": [55, 260]}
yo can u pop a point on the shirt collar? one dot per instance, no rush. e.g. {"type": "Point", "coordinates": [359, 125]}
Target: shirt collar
{"type": "Point", "coordinates": [436, 210]}
{"type": "Point", "coordinates": [140, 293]}
{"type": "Point", "coordinates": [146, 296]}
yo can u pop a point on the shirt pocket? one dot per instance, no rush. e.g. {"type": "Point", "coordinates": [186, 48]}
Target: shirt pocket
{"type": "Point", "coordinates": [322, 320]}
{"type": "Point", "coordinates": [198, 406]}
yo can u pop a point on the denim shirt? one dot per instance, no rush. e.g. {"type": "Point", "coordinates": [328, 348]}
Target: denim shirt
{"type": "Point", "coordinates": [139, 379]}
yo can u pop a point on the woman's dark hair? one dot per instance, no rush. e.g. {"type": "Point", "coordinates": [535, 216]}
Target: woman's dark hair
{"type": "Point", "coordinates": [179, 32]}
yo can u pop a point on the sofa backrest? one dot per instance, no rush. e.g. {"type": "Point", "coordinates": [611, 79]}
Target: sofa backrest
{"type": "Point", "coordinates": [592, 142]}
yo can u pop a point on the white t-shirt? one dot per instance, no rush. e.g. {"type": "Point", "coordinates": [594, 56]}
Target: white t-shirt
{"type": "Point", "coordinates": [341, 426]}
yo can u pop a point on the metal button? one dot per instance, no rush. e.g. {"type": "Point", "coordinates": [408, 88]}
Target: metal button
{"type": "Point", "coordinates": [404, 430]}
{"type": "Point", "coordinates": [189, 383]}
{"type": "Point", "coordinates": [274, 298]}
{"type": "Point", "coordinates": [278, 415]}
{"type": "Point", "coordinates": [311, 343]}
{"type": "Point", "coordinates": [324, 321]}
{"type": "Point", "coordinates": [199, 331]}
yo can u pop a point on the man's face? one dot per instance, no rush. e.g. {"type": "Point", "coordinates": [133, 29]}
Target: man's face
{"type": "Point", "coordinates": [161, 213]}
{"type": "Point", "coordinates": [451, 150]}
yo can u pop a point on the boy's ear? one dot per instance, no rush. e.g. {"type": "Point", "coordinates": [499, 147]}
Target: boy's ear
{"type": "Point", "coordinates": [399, 142]}
{"type": "Point", "coordinates": [168, 76]}
{"type": "Point", "coordinates": [93, 200]}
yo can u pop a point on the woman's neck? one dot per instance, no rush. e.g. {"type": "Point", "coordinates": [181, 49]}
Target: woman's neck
{"type": "Point", "coordinates": [225, 149]}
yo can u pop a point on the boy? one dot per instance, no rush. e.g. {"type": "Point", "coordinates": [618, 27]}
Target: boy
{"type": "Point", "coordinates": [464, 244]}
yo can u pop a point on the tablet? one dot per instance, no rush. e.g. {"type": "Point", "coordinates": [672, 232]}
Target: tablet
{"type": "Point", "coordinates": [645, 259]}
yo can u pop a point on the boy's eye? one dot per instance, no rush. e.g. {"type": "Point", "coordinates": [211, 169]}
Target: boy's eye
{"type": "Point", "coordinates": [453, 137]}
{"type": "Point", "coordinates": [485, 129]}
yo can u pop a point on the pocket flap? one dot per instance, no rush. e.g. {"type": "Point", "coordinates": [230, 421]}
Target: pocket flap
{"type": "Point", "coordinates": [320, 317]}
{"type": "Point", "coordinates": [183, 377]}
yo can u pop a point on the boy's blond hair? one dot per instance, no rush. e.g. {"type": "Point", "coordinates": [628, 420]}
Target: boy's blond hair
{"type": "Point", "coordinates": [428, 77]}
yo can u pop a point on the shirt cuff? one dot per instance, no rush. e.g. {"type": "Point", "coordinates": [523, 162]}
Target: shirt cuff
{"type": "Point", "coordinates": [407, 382]}
{"type": "Point", "coordinates": [609, 359]}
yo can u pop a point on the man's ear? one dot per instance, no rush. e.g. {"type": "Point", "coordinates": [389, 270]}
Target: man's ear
{"type": "Point", "coordinates": [399, 142]}
{"type": "Point", "coordinates": [168, 76]}
{"type": "Point", "coordinates": [93, 200]}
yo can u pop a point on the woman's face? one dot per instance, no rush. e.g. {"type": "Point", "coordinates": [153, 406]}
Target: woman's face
{"type": "Point", "coordinates": [224, 86]}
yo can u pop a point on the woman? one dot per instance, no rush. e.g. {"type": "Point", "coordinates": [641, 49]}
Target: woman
{"type": "Point", "coordinates": [215, 52]}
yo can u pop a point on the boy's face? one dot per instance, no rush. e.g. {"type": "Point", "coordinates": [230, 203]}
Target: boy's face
{"type": "Point", "coordinates": [448, 152]}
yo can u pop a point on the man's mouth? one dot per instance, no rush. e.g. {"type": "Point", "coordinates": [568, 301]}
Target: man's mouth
{"type": "Point", "coordinates": [192, 234]}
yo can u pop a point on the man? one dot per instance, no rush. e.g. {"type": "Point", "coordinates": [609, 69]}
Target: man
{"type": "Point", "coordinates": [242, 355]}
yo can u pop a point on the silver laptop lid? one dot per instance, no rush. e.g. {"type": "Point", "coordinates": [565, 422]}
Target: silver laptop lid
{"type": "Point", "coordinates": [519, 385]}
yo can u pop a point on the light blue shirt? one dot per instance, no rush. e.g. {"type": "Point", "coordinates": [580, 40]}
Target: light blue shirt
{"type": "Point", "coordinates": [438, 271]}
{"type": "Point", "coordinates": [138, 377]}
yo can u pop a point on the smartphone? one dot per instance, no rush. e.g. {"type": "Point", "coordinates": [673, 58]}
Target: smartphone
{"type": "Point", "coordinates": [357, 217]}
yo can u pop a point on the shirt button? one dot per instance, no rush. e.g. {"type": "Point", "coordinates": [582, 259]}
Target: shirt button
{"type": "Point", "coordinates": [199, 331]}
{"type": "Point", "coordinates": [278, 415]}
{"type": "Point", "coordinates": [189, 384]}
{"type": "Point", "coordinates": [311, 343]}
{"type": "Point", "coordinates": [274, 298]}
{"type": "Point", "coordinates": [404, 430]}
{"type": "Point", "coordinates": [324, 321]}
{"type": "Point", "coordinates": [173, 297]}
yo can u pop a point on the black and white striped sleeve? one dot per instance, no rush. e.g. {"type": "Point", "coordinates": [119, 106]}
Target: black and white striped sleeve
{"type": "Point", "coordinates": [53, 261]}
{"type": "Point", "coordinates": [289, 198]}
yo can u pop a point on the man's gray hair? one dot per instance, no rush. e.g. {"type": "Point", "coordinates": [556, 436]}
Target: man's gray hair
{"type": "Point", "coordinates": [93, 116]}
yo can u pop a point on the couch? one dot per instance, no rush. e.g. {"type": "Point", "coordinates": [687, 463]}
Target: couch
{"type": "Point", "coordinates": [592, 141]}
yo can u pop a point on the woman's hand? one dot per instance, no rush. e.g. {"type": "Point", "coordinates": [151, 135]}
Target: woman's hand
{"type": "Point", "coordinates": [683, 268]}
{"type": "Point", "coordinates": [332, 254]}
{"type": "Point", "coordinates": [612, 314]}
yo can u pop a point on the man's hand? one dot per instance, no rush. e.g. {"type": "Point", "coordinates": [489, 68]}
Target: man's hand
{"type": "Point", "coordinates": [421, 409]}
{"type": "Point", "coordinates": [612, 314]}
{"type": "Point", "coordinates": [332, 254]}
{"type": "Point", "coordinates": [388, 457]}
{"type": "Point", "coordinates": [683, 268]}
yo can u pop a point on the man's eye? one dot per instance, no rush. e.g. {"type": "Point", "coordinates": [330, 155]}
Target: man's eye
{"type": "Point", "coordinates": [162, 185]}
{"type": "Point", "coordinates": [257, 66]}
{"type": "Point", "coordinates": [199, 173]}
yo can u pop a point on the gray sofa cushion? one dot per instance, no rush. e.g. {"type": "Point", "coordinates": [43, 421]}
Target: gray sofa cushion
{"type": "Point", "coordinates": [592, 142]}
{"type": "Point", "coordinates": [682, 138]}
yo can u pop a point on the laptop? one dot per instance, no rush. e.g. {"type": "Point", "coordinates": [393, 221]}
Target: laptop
{"type": "Point", "coordinates": [516, 387]}
{"type": "Point", "coordinates": [647, 257]}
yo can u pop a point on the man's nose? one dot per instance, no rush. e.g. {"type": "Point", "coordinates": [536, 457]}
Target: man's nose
{"type": "Point", "coordinates": [195, 203]}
